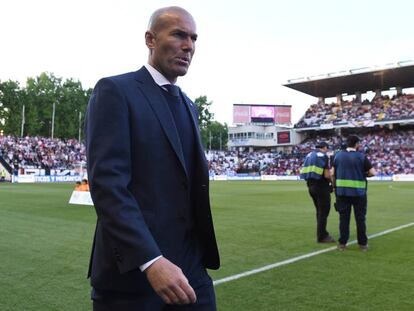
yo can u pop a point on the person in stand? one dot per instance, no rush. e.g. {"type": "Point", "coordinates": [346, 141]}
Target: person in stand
{"type": "Point", "coordinates": [149, 182]}
{"type": "Point", "coordinates": [317, 174]}
{"type": "Point", "coordinates": [3, 175]}
{"type": "Point", "coordinates": [350, 171]}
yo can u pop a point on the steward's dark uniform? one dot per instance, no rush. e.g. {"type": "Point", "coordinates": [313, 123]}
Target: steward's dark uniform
{"type": "Point", "coordinates": [319, 189]}
{"type": "Point", "coordinates": [351, 168]}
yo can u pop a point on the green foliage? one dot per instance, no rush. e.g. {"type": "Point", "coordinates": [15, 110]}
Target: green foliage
{"type": "Point", "coordinates": [70, 100]}
{"type": "Point", "coordinates": [38, 97]}
{"type": "Point", "coordinates": [215, 136]}
{"type": "Point", "coordinates": [213, 133]}
{"type": "Point", "coordinates": [46, 243]}
{"type": "Point", "coordinates": [10, 106]}
{"type": "Point", "coordinates": [203, 109]}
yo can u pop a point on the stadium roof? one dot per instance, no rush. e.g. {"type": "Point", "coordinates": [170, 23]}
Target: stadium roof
{"type": "Point", "coordinates": [356, 80]}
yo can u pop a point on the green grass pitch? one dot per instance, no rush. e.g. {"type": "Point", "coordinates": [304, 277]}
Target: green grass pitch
{"type": "Point", "coordinates": [45, 246]}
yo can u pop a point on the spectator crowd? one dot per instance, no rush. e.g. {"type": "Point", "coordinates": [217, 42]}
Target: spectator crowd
{"type": "Point", "coordinates": [41, 152]}
{"type": "Point", "coordinates": [381, 108]}
{"type": "Point", "coordinates": [390, 151]}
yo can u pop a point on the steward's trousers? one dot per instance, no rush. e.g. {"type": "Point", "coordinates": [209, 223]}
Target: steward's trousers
{"type": "Point", "coordinates": [343, 205]}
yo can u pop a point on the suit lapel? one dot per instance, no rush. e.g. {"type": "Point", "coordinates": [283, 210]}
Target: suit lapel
{"type": "Point", "coordinates": [160, 106]}
{"type": "Point", "coordinates": [197, 135]}
{"type": "Point", "coordinates": [194, 122]}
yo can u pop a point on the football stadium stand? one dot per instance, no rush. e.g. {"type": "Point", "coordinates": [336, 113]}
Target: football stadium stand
{"type": "Point", "coordinates": [41, 152]}
{"type": "Point", "coordinates": [385, 125]}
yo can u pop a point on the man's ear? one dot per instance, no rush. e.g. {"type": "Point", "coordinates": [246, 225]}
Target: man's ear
{"type": "Point", "coordinates": [149, 39]}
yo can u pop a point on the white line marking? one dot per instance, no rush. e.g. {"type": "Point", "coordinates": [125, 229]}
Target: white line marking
{"type": "Point", "coordinates": [295, 259]}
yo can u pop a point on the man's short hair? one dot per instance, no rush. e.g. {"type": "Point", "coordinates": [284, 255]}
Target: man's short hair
{"type": "Point", "coordinates": [322, 144]}
{"type": "Point", "coordinates": [352, 141]}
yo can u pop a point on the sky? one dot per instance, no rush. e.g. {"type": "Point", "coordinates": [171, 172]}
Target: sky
{"type": "Point", "coordinates": [245, 52]}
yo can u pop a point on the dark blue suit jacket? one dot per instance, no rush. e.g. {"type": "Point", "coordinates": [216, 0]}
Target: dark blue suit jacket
{"type": "Point", "coordinates": [139, 184]}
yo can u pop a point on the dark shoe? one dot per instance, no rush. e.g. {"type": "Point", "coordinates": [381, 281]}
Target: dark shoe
{"type": "Point", "coordinates": [363, 248]}
{"type": "Point", "coordinates": [327, 239]}
{"type": "Point", "coordinates": [341, 247]}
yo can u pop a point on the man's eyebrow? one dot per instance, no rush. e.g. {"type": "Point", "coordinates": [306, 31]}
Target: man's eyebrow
{"type": "Point", "coordinates": [194, 36]}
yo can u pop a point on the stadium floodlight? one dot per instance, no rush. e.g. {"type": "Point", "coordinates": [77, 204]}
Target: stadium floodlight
{"type": "Point", "coordinates": [386, 66]}
{"type": "Point", "coordinates": [297, 80]}
{"type": "Point", "coordinates": [405, 63]}
{"type": "Point", "coordinates": [359, 70]}
{"type": "Point", "coordinates": [338, 73]}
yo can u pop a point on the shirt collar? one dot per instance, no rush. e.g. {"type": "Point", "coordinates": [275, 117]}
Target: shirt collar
{"type": "Point", "coordinates": [157, 76]}
{"type": "Point", "coordinates": [350, 149]}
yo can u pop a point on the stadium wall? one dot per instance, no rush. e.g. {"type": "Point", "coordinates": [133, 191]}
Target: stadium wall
{"type": "Point", "coordinates": [297, 178]}
{"type": "Point", "coordinates": [56, 178]}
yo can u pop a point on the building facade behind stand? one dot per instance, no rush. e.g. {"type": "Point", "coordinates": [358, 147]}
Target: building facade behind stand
{"type": "Point", "coordinates": [262, 128]}
{"type": "Point", "coordinates": [268, 127]}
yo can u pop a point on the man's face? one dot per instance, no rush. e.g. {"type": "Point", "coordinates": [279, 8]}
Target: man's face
{"type": "Point", "coordinates": [172, 44]}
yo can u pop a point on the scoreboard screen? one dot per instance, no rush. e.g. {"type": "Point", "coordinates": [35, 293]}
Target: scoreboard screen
{"type": "Point", "coordinates": [262, 114]}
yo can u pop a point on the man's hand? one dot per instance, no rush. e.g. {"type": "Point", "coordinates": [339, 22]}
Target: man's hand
{"type": "Point", "coordinates": [169, 282]}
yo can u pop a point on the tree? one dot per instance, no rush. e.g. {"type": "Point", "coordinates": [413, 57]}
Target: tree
{"type": "Point", "coordinates": [215, 136]}
{"type": "Point", "coordinates": [73, 102]}
{"type": "Point", "coordinates": [39, 97]}
{"type": "Point", "coordinates": [203, 109]}
{"type": "Point", "coordinates": [213, 133]}
{"type": "Point", "coordinates": [11, 107]}
{"type": "Point", "coordinates": [43, 92]}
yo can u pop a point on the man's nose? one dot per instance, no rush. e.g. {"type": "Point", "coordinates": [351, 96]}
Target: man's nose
{"type": "Point", "coordinates": [188, 44]}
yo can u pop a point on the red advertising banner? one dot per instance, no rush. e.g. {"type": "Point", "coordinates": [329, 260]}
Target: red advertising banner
{"type": "Point", "coordinates": [282, 114]}
{"type": "Point", "coordinates": [283, 137]}
{"type": "Point", "coordinates": [241, 114]}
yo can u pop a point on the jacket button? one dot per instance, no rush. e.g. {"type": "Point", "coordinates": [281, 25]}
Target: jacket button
{"type": "Point", "coordinates": [185, 185]}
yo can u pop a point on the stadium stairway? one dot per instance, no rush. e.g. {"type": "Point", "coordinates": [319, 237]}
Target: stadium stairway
{"type": "Point", "coordinates": [6, 165]}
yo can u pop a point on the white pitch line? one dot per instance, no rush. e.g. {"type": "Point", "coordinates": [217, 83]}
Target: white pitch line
{"type": "Point", "coordinates": [298, 258]}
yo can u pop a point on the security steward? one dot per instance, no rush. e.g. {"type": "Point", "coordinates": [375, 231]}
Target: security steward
{"type": "Point", "coordinates": [350, 171]}
{"type": "Point", "coordinates": [316, 172]}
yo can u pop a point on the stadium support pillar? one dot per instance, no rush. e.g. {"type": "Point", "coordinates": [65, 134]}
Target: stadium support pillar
{"type": "Point", "coordinates": [338, 131]}
{"type": "Point", "coordinates": [53, 119]}
{"type": "Point", "coordinates": [399, 90]}
{"type": "Point", "coordinates": [23, 121]}
{"type": "Point", "coordinates": [321, 100]}
{"type": "Point", "coordinates": [339, 98]}
{"type": "Point", "coordinates": [377, 93]}
{"type": "Point", "coordinates": [358, 97]}
{"type": "Point", "coordinates": [80, 126]}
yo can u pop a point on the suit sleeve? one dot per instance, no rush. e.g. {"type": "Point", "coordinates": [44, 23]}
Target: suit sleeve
{"type": "Point", "coordinates": [109, 171]}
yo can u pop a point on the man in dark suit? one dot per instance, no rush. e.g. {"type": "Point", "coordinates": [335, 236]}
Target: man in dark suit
{"type": "Point", "coordinates": [148, 178]}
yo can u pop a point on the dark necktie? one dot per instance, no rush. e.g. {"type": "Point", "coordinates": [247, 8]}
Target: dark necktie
{"type": "Point", "coordinates": [172, 89]}
{"type": "Point", "coordinates": [183, 123]}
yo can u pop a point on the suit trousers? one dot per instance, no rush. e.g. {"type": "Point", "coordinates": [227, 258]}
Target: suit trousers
{"type": "Point", "coordinates": [190, 261]}
{"type": "Point", "coordinates": [110, 301]}
{"type": "Point", "coordinates": [321, 197]}
{"type": "Point", "coordinates": [344, 205]}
